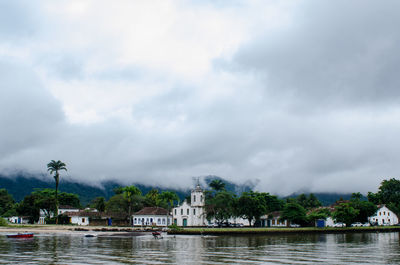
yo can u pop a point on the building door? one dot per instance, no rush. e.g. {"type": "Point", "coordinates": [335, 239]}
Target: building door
{"type": "Point", "coordinates": [185, 222]}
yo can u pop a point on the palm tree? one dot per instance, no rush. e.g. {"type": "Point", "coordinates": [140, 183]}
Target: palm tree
{"type": "Point", "coordinates": [129, 193]}
{"type": "Point", "coordinates": [54, 167]}
{"type": "Point", "coordinates": [217, 185]}
{"type": "Point", "coordinates": [169, 197]}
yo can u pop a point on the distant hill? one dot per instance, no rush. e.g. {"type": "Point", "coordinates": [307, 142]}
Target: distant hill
{"type": "Point", "coordinates": [328, 198]}
{"type": "Point", "coordinates": [21, 185]}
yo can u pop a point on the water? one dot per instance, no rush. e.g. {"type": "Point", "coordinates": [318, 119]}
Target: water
{"type": "Point", "coordinates": [360, 248]}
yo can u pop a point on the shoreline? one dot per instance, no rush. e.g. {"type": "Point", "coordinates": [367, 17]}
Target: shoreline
{"type": "Point", "coordinates": [68, 229]}
{"type": "Point", "coordinates": [115, 230]}
{"type": "Point", "coordinates": [276, 231]}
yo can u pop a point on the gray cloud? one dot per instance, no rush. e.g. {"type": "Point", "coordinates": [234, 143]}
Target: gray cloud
{"type": "Point", "coordinates": [310, 106]}
{"type": "Point", "coordinates": [337, 52]}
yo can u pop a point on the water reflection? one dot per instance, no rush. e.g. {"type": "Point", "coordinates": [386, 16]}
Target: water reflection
{"type": "Point", "coordinates": [361, 248]}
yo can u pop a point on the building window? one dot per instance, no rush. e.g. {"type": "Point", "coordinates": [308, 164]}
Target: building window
{"type": "Point", "coordinates": [175, 211]}
{"type": "Point", "coordinates": [181, 211]}
{"type": "Point", "coordinates": [384, 213]}
{"type": "Point", "coordinates": [163, 221]}
{"type": "Point", "coordinates": [380, 213]}
{"type": "Point", "coordinates": [388, 213]}
{"type": "Point", "coordinates": [83, 220]}
{"type": "Point", "coordinates": [201, 198]}
{"type": "Point", "coordinates": [187, 211]}
{"type": "Point", "coordinates": [194, 211]}
{"type": "Point", "coordinates": [194, 198]}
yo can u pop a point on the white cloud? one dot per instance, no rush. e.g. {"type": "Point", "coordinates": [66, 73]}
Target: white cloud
{"type": "Point", "coordinates": [296, 95]}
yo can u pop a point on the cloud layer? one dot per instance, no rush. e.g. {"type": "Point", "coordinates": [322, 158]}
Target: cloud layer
{"type": "Point", "coordinates": [300, 97]}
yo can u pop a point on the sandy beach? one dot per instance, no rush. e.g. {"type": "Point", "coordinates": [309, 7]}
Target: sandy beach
{"type": "Point", "coordinates": [68, 229]}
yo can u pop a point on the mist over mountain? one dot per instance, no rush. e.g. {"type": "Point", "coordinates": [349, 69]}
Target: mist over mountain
{"type": "Point", "coordinates": [22, 184]}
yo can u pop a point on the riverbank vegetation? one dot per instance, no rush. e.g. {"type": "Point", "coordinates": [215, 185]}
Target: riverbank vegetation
{"type": "Point", "coordinates": [220, 204]}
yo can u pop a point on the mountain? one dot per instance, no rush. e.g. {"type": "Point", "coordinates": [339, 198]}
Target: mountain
{"type": "Point", "coordinates": [22, 184]}
{"type": "Point", "coordinates": [328, 198]}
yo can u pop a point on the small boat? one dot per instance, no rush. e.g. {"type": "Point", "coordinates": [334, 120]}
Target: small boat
{"type": "Point", "coordinates": [90, 235]}
{"type": "Point", "coordinates": [21, 235]}
{"type": "Point", "coordinates": [157, 235]}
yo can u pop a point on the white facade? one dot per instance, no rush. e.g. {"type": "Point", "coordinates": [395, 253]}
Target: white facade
{"type": "Point", "coordinates": [192, 214]}
{"type": "Point", "coordinates": [80, 220]}
{"type": "Point", "coordinates": [384, 216]}
{"type": "Point", "coordinates": [152, 220]}
{"type": "Point", "coordinates": [18, 220]}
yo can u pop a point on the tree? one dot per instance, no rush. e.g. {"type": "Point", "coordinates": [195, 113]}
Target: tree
{"type": "Point", "coordinates": [252, 205]}
{"type": "Point", "coordinates": [70, 199]}
{"type": "Point", "coordinates": [221, 207]}
{"type": "Point", "coordinates": [345, 213]}
{"type": "Point", "coordinates": [130, 192]}
{"type": "Point", "coordinates": [169, 198]}
{"type": "Point", "coordinates": [6, 202]}
{"type": "Point", "coordinates": [117, 204]}
{"type": "Point", "coordinates": [294, 213]}
{"type": "Point", "coordinates": [45, 200]}
{"type": "Point", "coordinates": [217, 185]}
{"type": "Point", "coordinates": [152, 198]}
{"type": "Point", "coordinates": [98, 203]}
{"type": "Point", "coordinates": [316, 214]}
{"type": "Point", "coordinates": [365, 208]}
{"type": "Point", "coordinates": [308, 202]}
{"type": "Point", "coordinates": [55, 167]}
{"type": "Point", "coordinates": [389, 194]}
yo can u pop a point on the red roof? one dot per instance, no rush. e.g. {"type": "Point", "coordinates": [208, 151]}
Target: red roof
{"type": "Point", "coordinates": [152, 211]}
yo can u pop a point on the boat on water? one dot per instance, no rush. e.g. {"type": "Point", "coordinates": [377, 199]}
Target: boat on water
{"type": "Point", "coordinates": [20, 235]}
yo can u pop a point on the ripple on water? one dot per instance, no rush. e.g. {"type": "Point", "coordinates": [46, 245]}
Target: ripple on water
{"type": "Point", "coordinates": [371, 248]}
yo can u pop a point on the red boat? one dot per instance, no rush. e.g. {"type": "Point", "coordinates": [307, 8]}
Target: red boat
{"type": "Point", "coordinates": [21, 235]}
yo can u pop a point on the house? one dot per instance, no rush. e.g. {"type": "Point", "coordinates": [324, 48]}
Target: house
{"type": "Point", "coordinates": [273, 219]}
{"type": "Point", "coordinates": [152, 216]}
{"type": "Point", "coordinates": [193, 213]}
{"type": "Point", "coordinates": [61, 209]}
{"type": "Point", "coordinates": [19, 219]}
{"type": "Point", "coordinates": [384, 216]}
{"type": "Point", "coordinates": [79, 217]}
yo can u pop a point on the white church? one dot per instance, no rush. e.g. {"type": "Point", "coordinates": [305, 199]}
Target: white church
{"type": "Point", "coordinates": [191, 214]}
{"type": "Point", "coordinates": [194, 214]}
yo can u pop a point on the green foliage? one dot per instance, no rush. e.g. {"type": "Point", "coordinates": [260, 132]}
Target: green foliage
{"type": "Point", "coordinates": [322, 213]}
{"type": "Point", "coordinates": [217, 185]}
{"type": "Point", "coordinates": [308, 202]}
{"type": "Point", "coordinates": [221, 206]}
{"type": "Point", "coordinates": [345, 213]}
{"type": "Point", "coordinates": [294, 212]}
{"type": "Point", "coordinates": [45, 200]}
{"type": "Point", "coordinates": [389, 194]}
{"type": "Point", "coordinates": [6, 202]}
{"type": "Point", "coordinates": [98, 203]}
{"type": "Point", "coordinates": [252, 205]}
{"type": "Point", "coordinates": [117, 204]}
{"type": "Point", "coordinates": [169, 198]}
{"type": "Point", "coordinates": [70, 199]}
{"type": "Point", "coordinates": [175, 228]}
{"type": "Point", "coordinates": [3, 222]}
{"type": "Point", "coordinates": [152, 198]}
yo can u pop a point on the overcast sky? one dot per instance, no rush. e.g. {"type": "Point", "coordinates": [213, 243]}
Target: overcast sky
{"type": "Point", "coordinates": [292, 95]}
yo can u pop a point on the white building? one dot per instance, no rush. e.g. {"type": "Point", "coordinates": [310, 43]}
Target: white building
{"type": "Point", "coordinates": [152, 216]}
{"type": "Point", "coordinates": [384, 216]}
{"type": "Point", "coordinates": [61, 209]}
{"type": "Point", "coordinates": [191, 214]}
{"type": "Point", "coordinates": [18, 219]}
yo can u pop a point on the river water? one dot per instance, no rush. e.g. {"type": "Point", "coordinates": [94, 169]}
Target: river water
{"type": "Point", "coordinates": [357, 248]}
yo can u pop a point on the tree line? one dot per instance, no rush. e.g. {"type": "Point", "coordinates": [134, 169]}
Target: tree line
{"type": "Point", "coordinates": [304, 210]}
{"type": "Point", "coordinates": [220, 204]}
